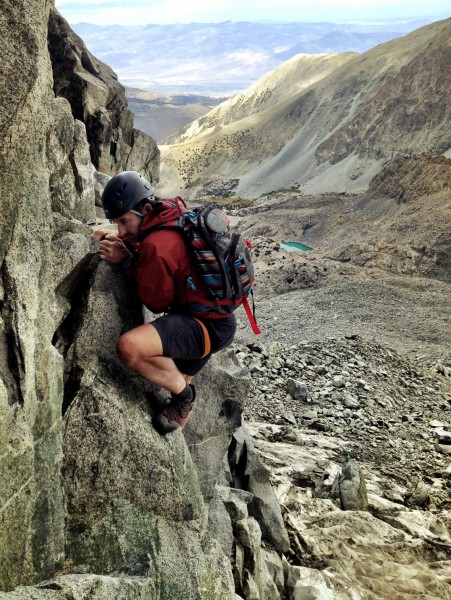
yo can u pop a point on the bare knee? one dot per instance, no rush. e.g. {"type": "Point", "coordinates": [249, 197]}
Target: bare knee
{"type": "Point", "coordinates": [137, 345]}
{"type": "Point", "coordinates": [126, 350]}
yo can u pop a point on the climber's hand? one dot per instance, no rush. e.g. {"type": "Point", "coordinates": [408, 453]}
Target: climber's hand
{"type": "Point", "coordinates": [113, 250]}
{"type": "Point", "coordinates": [100, 234]}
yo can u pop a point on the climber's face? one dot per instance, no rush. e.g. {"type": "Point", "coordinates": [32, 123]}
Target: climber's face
{"type": "Point", "coordinates": [128, 225]}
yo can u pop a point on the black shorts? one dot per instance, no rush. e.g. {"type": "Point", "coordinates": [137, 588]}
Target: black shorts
{"type": "Point", "coordinates": [190, 341]}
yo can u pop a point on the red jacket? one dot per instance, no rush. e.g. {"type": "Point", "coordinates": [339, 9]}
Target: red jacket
{"type": "Point", "coordinates": [164, 265]}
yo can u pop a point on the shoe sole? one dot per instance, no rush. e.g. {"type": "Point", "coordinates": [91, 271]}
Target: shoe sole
{"type": "Point", "coordinates": [163, 429]}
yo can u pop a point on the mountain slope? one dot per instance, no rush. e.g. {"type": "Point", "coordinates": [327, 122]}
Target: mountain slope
{"type": "Point", "coordinates": [270, 91]}
{"type": "Point", "coordinates": [335, 133]}
{"type": "Point", "coordinates": [162, 115]}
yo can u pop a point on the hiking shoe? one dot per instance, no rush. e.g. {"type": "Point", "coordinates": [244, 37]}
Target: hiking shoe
{"type": "Point", "coordinates": [176, 414]}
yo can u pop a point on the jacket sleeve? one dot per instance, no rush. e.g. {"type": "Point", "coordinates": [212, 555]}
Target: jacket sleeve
{"type": "Point", "coordinates": [157, 272]}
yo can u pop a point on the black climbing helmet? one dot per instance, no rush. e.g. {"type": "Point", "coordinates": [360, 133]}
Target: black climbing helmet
{"type": "Point", "coordinates": [124, 192]}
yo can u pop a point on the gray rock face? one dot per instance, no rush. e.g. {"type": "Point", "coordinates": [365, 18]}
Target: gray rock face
{"type": "Point", "coordinates": [100, 587]}
{"type": "Point", "coordinates": [220, 523]}
{"type": "Point", "coordinates": [87, 488]}
{"type": "Point", "coordinates": [31, 495]}
{"type": "Point", "coordinates": [353, 494]}
{"type": "Point", "coordinates": [72, 172]}
{"type": "Point", "coordinates": [128, 512]}
{"type": "Point", "coordinates": [98, 100]}
{"type": "Point", "coordinates": [297, 389]}
{"type": "Point", "coordinates": [258, 572]}
{"type": "Point", "coordinates": [250, 474]}
{"type": "Point", "coordinates": [220, 400]}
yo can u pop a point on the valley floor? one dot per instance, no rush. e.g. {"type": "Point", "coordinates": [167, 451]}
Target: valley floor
{"type": "Point", "coordinates": [410, 315]}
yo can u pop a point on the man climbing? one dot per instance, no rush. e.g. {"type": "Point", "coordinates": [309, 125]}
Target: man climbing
{"type": "Point", "coordinates": [174, 347]}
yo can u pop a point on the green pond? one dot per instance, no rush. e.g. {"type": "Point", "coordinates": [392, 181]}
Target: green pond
{"type": "Point", "coordinates": [295, 246]}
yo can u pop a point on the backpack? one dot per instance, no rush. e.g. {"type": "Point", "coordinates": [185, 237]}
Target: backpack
{"type": "Point", "coordinates": [223, 257]}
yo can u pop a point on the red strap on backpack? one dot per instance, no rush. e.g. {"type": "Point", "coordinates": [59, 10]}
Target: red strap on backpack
{"type": "Point", "coordinates": [251, 316]}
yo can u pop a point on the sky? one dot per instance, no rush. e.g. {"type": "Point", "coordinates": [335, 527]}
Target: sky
{"type": "Point", "coordinates": [143, 12]}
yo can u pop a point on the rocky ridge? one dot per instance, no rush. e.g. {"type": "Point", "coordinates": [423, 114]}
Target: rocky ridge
{"type": "Point", "coordinates": [98, 100]}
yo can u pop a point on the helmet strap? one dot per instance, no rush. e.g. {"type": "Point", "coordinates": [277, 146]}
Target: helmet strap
{"type": "Point", "coordinates": [152, 201]}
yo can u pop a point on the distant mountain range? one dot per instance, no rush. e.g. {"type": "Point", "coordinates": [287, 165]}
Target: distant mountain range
{"type": "Point", "coordinates": [222, 59]}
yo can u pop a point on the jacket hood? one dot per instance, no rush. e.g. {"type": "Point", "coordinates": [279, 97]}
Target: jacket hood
{"type": "Point", "coordinates": [165, 211]}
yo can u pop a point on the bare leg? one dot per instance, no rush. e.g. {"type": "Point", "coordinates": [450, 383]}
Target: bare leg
{"type": "Point", "coordinates": [141, 350]}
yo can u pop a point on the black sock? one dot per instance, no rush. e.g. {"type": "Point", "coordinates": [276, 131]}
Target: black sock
{"type": "Point", "coordinates": [185, 395]}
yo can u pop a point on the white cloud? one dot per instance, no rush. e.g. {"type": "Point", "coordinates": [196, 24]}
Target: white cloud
{"type": "Point", "coordinates": [77, 3]}
{"type": "Point", "coordinates": [139, 12]}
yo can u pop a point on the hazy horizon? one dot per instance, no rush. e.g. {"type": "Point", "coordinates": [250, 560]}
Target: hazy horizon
{"type": "Point", "coordinates": [142, 12]}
